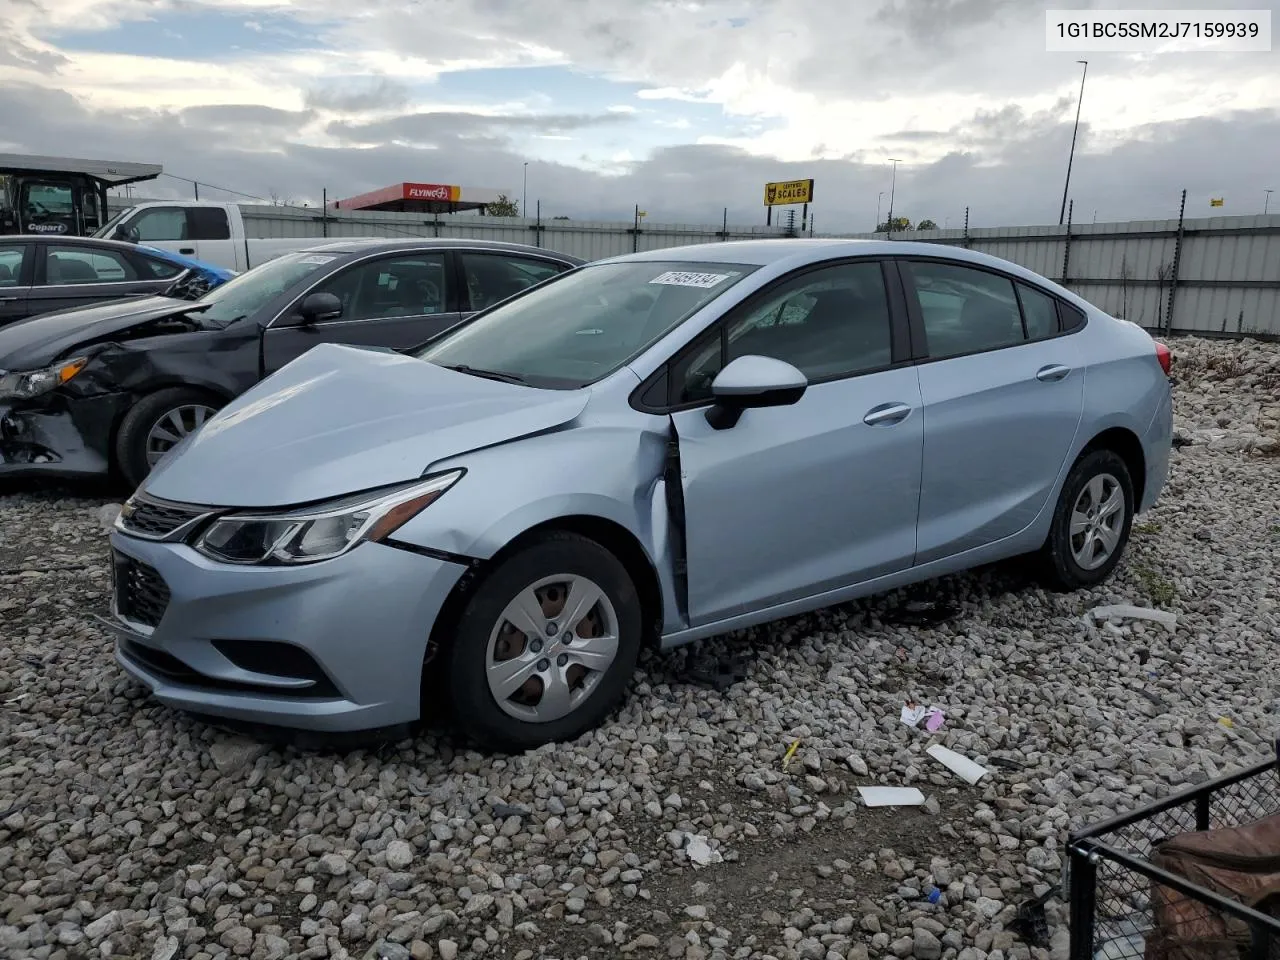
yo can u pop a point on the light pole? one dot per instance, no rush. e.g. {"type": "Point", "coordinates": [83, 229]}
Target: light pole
{"type": "Point", "coordinates": [879, 197]}
{"type": "Point", "coordinates": [1266, 203]}
{"type": "Point", "coordinates": [1062, 214]}
{"type": "Point", "coordinates": [524, 198]}
{"type": "Point", "coordinates": [893, 185]}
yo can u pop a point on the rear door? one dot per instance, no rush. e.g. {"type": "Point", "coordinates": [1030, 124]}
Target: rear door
{"type": "Point", "coordinates": [15, 280]}
{"type": "Point", "coordinates": [75, 275]}
{"type": "Point", "coordinates": [209, 230]}
{"type": "Point", "coordinates": [396, 300]}
{"type": "Point", "coordinates": [1003, 389]}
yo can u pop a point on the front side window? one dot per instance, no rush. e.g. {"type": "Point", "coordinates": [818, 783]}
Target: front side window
{"type": "Point", "coordinates": [492, 277]}
{"type": "Point", "coordinates": [67, 265]}
{"type": "Point", "coordinates": [965, 310]}
{"type": "Point", "coordinates": [830, 322]}
{"type": "Point", "coordinates": [244, 295]}
{"type": "Point", "coordinates": [586, 324]}
{"type": "Point", "coordinates": [11, 255]}
{"type": "Point", "coordinates": [161, 224]}
{"type": "Point", "coordinates": [412, 286]}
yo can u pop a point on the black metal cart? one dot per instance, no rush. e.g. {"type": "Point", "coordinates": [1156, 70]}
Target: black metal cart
{"type": "Point", "coordinates": [1110, 874]}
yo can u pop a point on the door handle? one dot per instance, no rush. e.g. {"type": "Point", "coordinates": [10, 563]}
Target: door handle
{"type": "Point", "coordinates": [887, 413]}
{"type": "Point", "coordinates": [1052, 373]}
{"type": "Point", "coordinates": [187, 250]}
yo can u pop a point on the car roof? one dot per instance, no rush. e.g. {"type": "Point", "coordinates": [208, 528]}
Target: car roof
{"type": "Point", "coordinates": [68, 238]}
{"type": "Point", "coordinates": [792, 252]}
{"type": "Point", "coordinates": [383, 244]}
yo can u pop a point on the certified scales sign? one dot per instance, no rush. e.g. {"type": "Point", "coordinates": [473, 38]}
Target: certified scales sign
{"type": "Point", "coordinates": [788, 192]}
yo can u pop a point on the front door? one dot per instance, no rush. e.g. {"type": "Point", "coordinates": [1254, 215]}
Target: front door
{"type": "Point", "coordinates": [797, 500]}
{"type": "Point", "coordinates": [49, 207]}
{"type": "Point", "coordinates": [396, 301]}
{"type": "Point", "coordinates": [15, 280]}
{"type": "Point", "coordinates": [1003, 397]}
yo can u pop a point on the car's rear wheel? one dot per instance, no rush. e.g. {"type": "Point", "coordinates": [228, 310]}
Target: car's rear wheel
{"type": "Point", "coordinates": [156, 424]}
{"type": "Point", "coordinates": [1091, 523]}
{"type": "Point", "coordinates": [545, 644]}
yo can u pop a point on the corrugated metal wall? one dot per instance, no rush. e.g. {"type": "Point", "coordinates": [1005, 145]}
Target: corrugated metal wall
{"type": "Point", "coordinates": [1228, 267]}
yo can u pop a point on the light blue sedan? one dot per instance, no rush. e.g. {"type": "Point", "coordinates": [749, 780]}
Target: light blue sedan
{"type": "Point", "coordinates": [650, 449]}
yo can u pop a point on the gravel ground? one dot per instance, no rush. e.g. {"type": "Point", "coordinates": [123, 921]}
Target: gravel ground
{"type": "Point", "coordinates": [128, 830]}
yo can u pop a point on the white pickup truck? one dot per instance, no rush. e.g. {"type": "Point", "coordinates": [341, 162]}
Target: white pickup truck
{"type": "Point", "coordinates": [209, 231]}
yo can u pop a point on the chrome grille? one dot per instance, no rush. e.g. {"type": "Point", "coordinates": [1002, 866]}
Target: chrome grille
{"type": "Point", "coordinates": [157, 519]}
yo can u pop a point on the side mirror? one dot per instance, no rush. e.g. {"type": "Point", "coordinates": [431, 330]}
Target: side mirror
{"type": "Point", "coordinates": [319, 307]}
{"type": "Point", "coordinates": [753, 381]}
{"type": "Point", "coordinates": [127, 234]}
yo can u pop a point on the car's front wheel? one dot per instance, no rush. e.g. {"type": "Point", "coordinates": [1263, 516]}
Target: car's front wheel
{"type": "Point", "coordinates": [156, 424]}
{"type": "Point", "coordinates": [1091, 523]}
{"type": "Point", "coordinates": [545, 644]}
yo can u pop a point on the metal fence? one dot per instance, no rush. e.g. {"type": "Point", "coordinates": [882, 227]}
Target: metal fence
{"type": "Point", "coordinates": [1216, 276]}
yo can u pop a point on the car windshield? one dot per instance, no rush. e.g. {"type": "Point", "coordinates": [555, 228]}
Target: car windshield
{"type": "Point", "coordinates": [581, 327]}
{"type": "Point", "coordinates": [244, 295]}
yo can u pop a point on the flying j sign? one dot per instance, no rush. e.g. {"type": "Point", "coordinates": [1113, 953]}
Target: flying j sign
{"type": "Point", "coordinates": [788, 192]}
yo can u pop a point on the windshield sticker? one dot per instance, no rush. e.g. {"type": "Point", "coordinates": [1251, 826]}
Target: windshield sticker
{"type": "Point", "coordinates": [316, 258]}
{"type": "Point", "coordinates": [679, 278]}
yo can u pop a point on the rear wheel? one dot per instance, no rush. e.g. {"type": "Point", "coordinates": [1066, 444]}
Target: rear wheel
{"type": "Point", "coordinates": [1091, 523]}
{"type": "Point", "coordinates": [156, 424]}
{"type": "Point", "coordinates": [545, 645]}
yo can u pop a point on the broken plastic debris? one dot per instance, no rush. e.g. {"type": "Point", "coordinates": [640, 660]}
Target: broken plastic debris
{"type": "Point", "coordinates": [913, 713]}
{"type": "Point", "coordinates": [1226, 722]}
{"type": "Point", "coordinates": [791, 752]}
{"type": "Point", "coordinates": [699, 851]}
{"type": "Point", "coordinates": [891, 796]}
{"type": "Point", "coordinates": [1126, 611]}
{"type": "Point", "coordinates": [962, 767]}
{"type": "Point", "coordinates": [922, 613]}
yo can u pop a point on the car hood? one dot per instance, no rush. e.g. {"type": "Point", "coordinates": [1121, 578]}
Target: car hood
{"type": "Point", "coordinates": [39, 341]}
{"type": "Point", "coordinates": [340, 420]}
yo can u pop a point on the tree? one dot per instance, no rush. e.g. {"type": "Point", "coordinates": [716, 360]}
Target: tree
{"type": "Point", "coordinates": [927, 225]}
{"type": "Point", "coordinates": [560, 218]}
{"type": "Point", "coordinates": [899, 224]}
{"type": "Point", "coordinates": [504, 206]}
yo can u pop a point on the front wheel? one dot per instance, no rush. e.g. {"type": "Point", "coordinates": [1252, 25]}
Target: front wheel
{"type": "Point", "coordinates": [545, 645]}
{"type": "Point", "coordinates": [155, 425]}
{"type": "Point", "coordinates": [1091, 522]}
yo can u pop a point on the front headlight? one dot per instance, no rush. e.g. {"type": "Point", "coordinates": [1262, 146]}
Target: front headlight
{"type": "Point", "coordinates": [320, 532]}
{"type": "Point", "coordinates": [25, 384]}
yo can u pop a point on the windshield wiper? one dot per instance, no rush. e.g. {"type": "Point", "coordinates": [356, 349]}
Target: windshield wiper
{"type": "Point", "coordinates": [487, 374]}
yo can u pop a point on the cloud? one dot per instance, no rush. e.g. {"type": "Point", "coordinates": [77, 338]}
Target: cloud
{"type": "Point", "coordinates": [358, 97]}
{"type": "Point", "coordinates": [441, 126]}
{"type": "Point", "coordinates": [961, 90]}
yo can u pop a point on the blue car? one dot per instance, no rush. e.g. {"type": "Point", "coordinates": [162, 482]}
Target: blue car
{"type": "Point", "coordinates": [198, 277]}
{"type": "Point", "coordinates": [649, 449]}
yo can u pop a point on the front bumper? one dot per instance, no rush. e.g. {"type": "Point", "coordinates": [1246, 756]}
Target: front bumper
{"type": "Point", "coordinates": [59, 435]}
{"type": "Point", "coordinates": [336, 646]}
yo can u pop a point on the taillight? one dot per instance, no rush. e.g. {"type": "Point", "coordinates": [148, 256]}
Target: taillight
{"type": "Point", "coordinates": [1165, 357]}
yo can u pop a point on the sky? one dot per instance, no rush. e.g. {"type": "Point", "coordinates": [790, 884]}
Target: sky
{"type": "Point", "coordinates": [683, 107]}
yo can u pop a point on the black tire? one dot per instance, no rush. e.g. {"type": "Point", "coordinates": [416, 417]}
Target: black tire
{"type": "Point", "coordinates": [475, 710]}
{"type": "Point", "coordinates": [1061, 569]}
{"type": "Point", "coordinates": [131, 438]}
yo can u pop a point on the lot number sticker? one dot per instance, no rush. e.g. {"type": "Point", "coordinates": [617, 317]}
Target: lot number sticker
{"type": "Point", "coordinates": [678, 278]}
{"type": "Point", "coordinates": [316, 258]}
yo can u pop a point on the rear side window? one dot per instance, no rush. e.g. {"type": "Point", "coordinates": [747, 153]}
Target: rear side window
{"type": "Point", "coordinates": [1070, 318]}
{"type": "Point", "coordinates": [208, 223]}
{"type": "Point", "coordinates": [965, 310]}
{"type": "Point", "coordinates": [1040, 312]}
{"type": "Point", "coordinates": [158, 269]}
